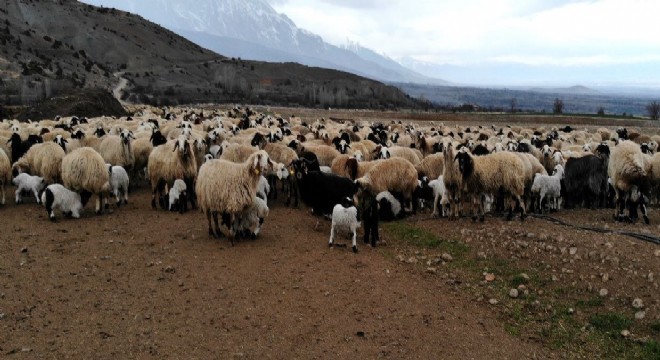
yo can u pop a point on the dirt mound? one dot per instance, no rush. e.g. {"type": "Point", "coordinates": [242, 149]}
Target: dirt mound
{"type": "Point", "coordinates": [91, 103]}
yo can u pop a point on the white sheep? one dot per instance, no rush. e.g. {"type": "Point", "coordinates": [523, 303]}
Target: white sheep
{"type": "Point", "coordinates": [439, 196]}
{"type": "Point", "coordinates": [168, 162]}
{"type": "Point", "coordinates": [550, 186]}
{"type": "Point", "coordinates": [395, 174]}
{"type": "Point", "coordinates": [43, 159]}
{"type": "Point", "coordinates": [25, 182]}
{"type": "Point", "coordinates": [69, 202]}
{"type": "Point", "coordinates": [344, 218]}
{"type": "Point", "coordinates": [117, 149]}
{"type": "Point", "coordinates": [118, 183]}
{"type": "Point", "coordinates": [177, 196]}
{"type": "Point", "coordinates": [228, 188]}
{"type": "Point", "coordinates": [628, 167]}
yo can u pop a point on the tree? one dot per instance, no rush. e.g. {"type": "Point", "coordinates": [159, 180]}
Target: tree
{"type": "Point", "coordinates": [601, 111]}
{"type": "Point", "coordinates": [653, 108]}
{"type": "Point", "coordinates": [558, 106]}
{"type": "Point", "coordinates": [514, 102]}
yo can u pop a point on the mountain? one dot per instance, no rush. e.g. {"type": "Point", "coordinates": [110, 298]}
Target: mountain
{"type": "Point", "coordinates": [252, 29]}
{"type": "Point", "coordinates": [54, 47]}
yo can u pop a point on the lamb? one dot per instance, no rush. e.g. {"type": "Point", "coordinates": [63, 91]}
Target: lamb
{"type": "Point", "coordinates": [25, 182]}
{"type": "Point", "coordinates": [168, 162]}
{"type": "Point", "coordinates": [84, 171]}
{"type": "Point", "coordinates": [118, 183]}
{"type": "Point", "coordinates": [549, 185]}
{"type": "Point", "coordinates": [251, 220]}
{"type": "Point", "coordinates": [394, 175]}
{"type": "Point", "coordinates": [344, 218]}
{"type": "Point", "coordinates": [490, 174]}
{"type": "Point", "coordinates": [389, 208]}
{"type": "Point", "coordinates": [44, 160]}
{"type": "Point", "coordinates": [629, 168]}
{"type": "Point", "coordinates": [229, 188]}
{"type": "Point", "coordinates": [439, 196]}
{"type": "Point", "coordinates": [69, 202]}
{"type": "Point", "coordinates": [5, 174]}
{"type": "Point", "coordinates": [177, 196]}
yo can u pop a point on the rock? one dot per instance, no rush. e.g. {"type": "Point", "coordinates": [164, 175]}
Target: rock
{"type": "Point", "coordinates": [606, 277]}
{"type": "Point", "coordinates": [170, 269]}
{"type": "Point", "coordinates": [24, 250]}
{"type": "Point", "coordinates": [603, 292]}
{"type": "Point", "coordinates": [625, 333]}
{"type": "Point", "coordinates": [412, 260]}
{"type": "Point", "coordinates": [446, 257]}
{"type": "Point", "coordinates": [431, 270]}
{"type": "Point", "coordinates": [493, 301]}
{"type": "Point", "coordinates": [572, 250]}
{"type": "Point", "coordinates": [531, 235]}
{"type": "Point", "coordinates": [638, 303]}
{"type": "Point", "coordinates": [490, 277]}
{"type": "Point", "coordinates": [571, 310]}
{"type": "Point", "coordinates": [524, 276]}
{"type": "Point", "coordinates": [555, 278]}
{"type": "Point", "coordinates": [513, 293]}
{"type": "Point", "coordinates": [640, 315]}
{"type": "Point", "coordinates": [401, 258]}
{"type": "Point", "coordinates": [481, 255]}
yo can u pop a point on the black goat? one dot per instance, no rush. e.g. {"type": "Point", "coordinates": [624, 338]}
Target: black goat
{"type": "Point", "coordinates": [585, 181]}
{"type": "Point", "coordinates": [321, 191]}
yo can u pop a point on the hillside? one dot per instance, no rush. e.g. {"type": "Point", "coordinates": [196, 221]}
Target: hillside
{"type": "Point", "coordinates": [54, 47]}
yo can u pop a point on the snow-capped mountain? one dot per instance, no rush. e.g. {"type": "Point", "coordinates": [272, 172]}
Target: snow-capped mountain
{"type": "Point", "coordinates": [252, 29]}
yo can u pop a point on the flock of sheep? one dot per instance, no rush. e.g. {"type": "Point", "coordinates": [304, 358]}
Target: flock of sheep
{"type": "Point", "coordinates": [228, 164]}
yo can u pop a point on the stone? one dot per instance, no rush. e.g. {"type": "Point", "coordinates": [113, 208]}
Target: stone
{"type": "Point", "coordinates": [447, 257]}
{"type": "Point", "coordinates": [640, 315]}
{"type": "Point", "coordinates": [431, 270]}
{"type": "Point", "coordinates": [572, 250]}
{"type": "Point", "coordinates": [489, 277]}
{"type": "Point", "coordinates": [513, 293]}
{"type": "Point", "coordinates": [625, 333]}
{"type": "Point", "coordinates": [603, 292]}
{"type": "Point", "coordinates": [493, 301]}
{"type": "Point", "coordinates": [638, 303]}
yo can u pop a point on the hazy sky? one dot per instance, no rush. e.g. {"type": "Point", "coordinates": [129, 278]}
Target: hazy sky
{"type": "Point", "coordinates": [460, 32]}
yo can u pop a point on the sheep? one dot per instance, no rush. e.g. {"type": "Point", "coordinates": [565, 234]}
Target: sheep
{"type": "Point", "coordinates": [585, 180]}
{"type": "Point", "coordinates": [19, 147]}
{"type": "Point", "coordinates": [168, 162]}
{"type": "Point", "coordinates": [453, 181]}
{"type": "Point", "coordinates": [177, 196]}
{"type": "Point", "coordinates": [432, 166]}
{"type": "Point", "coordinates": [263, 188]}
{"type": "Point", "coordinates": [319, 190]}
{"type": "Point", "coordinates": [84, 171]}
{"type": "Point", "coordinates": [26, 182]}
{"type": "Point", "coordinates": [228, 188]}
{"type": "Point", "coordinates": [394, 175]}
{"type": "Point", "coordinates": [117, 150]}
{"type": "Point", "coordinates": [490, 174]}
{"type": "Point", "coordinates": [69, 202]}
{"type": "Point", "coordinates": [118, 183]}
{"type": "Point", "coordinates": [238, 153]}
{"type": "Point", "coordinates": [44, 160]}
{"type": "Point", "coordinates": [389, 208]}
{"type": "Point", "coordinates": [5, 174]}
{"type": "Point", "coordinates": [344, 218]}
{"type": "Point", "coordinates": [414, 156]}
{"type": "Point", "coordinates": [324, 153]}
{"type": "Point", "coordinates": [549, 185]}
{"type": "Point", "coordinates": [629, 167]}
{"type": "Point", "coordinates": [142, 148]}
{"type": "Point", "coordinates": [251, 220]}
{"type": "Point", "coordinates": [439, 196]}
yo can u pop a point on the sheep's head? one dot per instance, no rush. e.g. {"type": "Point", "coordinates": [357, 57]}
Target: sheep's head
{"type": "Point", "coordinates": [546, 151]}
{"type": "Point", "coordinates": [260, 162]}
{"type": "Point", "coordinates": [602, 150]}
{"type": "Point", "coordinates": [208, 157]}
{"type": "Point", "coordinates": [280, 171]}
{"type": "Point", "coordinates": [61, 141]}
{"type": "Point", "coordinates": [294, 144]}
{"type": "Point", "coordinates": [558, 157]}
{"type": "Point", "coordinates": [558, 170]}
{"type": "Point", "coordinates": [465, 163]}
{"type": "Point", "coordinates": [199, 144]}
{"type": "Point", "coordinates": [99, 132]}
{"type": "Point", "coordinates": [342, 146]}
{"type": "Point", "coordinates": [346, 202]}
{"type": "Point", "coordinates": [258, 140]}
{"type": "Point", "coordinates": [512, 146]}
{"type": "Point", "coordinates": [126, 136]}
{"type": "Point", "coordinates": [182, 145]}
{"type": "Point", "coordinates": [384, 153]}
{"type": "Point", "coordinates": [357, 155]}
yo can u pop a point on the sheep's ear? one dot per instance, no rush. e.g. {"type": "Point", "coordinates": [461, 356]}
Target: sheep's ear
{"type": "Point", "coordinates": [255, 164]}
{"type": "Point", "coordinates": [65, 141]}
{"type": "Point", "coordinates": [176, 146]}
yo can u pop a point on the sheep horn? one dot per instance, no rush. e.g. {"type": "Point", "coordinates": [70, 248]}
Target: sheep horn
{"type": "Point", "coordinates": [176, 146]}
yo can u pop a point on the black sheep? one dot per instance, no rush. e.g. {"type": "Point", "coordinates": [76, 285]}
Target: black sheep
{"type": "Point", "coordinates": [321, 191]}
{"type": "Point", "coordinates": [368, 213]}
{"type": "Point", "coordinates": [157, 138]}
{"type": "Point", "coordinates": [585, 180]}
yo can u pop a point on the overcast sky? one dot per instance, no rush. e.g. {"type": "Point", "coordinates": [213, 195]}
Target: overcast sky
{"type": "Point", "coordinates": [534, 32]}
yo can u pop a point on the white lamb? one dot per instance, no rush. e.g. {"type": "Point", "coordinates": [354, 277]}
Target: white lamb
{"type": "Point", "coordinates": [118, 183]}
{"type": "Point", "coordinates": [56, 195]}
{"type": "Point", "coordinates": [26, 182]}
{"type": "Point", "coordinates": [439, 196]}
{"type": "Point", "coordinates": [263, 188]}
{"type": "Point", "coordinates": [251, 220]}
{"type": "Point", "coordinates": [344, 218]}
{"type": "Point", "coordinates": [549, 185]}
{"type": "Point", "coordinates": [177, 196]}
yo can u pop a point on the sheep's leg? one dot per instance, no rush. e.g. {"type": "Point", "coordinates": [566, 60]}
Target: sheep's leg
{"type": "Point", "coordinates": [522, 208]}
{"type": "Point", "coordinates": [17, 198]}
{"type": "Point", "coordinates": [642, 206]}
{"type": "Point", "coordinates": [211, 229]}
{"type": "Point", "coordinates": [355, 240]}
{"type": "Point", "coordinates": [332, 236]}
{"type": "Point", "coordinates": [512, 205]}
{"type": "Point", "coordinates": [435, 205]}
{"type": "Point", "coordinates": [192, 195]}
{"type": "Point", "coordinates": [3, 190]}
{"type": "Point", "coordinates": [99, 203]}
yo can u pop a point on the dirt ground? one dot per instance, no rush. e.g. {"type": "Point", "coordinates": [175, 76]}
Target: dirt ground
{"type": "Point", "coordinates": [139, 283]}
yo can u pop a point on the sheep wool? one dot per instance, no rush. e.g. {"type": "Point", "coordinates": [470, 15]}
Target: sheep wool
{"type": "Point", "coordinates": [5, 174]}
{"type": "Point", "coordinates": [394, 175]}
{"type": "Point", "coordinates": [83, 170]}
{"type": "Point", "coordinates": [44, 160]}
